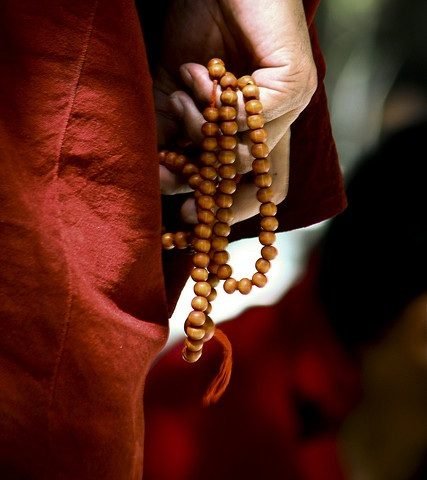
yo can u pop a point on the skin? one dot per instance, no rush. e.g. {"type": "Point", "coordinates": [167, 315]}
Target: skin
{"type": "Point", "coordinates": [266, 38]}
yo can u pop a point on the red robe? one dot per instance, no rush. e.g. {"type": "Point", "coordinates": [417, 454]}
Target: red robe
{"type": "Point", "coordinates": [83, 307]}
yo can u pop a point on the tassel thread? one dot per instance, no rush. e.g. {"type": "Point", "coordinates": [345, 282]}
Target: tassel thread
{"type": "Point", "coordinates": [221, 381]}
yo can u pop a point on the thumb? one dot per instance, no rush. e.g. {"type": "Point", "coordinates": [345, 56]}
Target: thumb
{"type": "Point", "coordinates": [196, 77]}
{"type": "Point", "coordinates": [185, 109]}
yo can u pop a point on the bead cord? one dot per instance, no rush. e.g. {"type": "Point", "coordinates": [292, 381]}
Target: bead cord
{"type": "Point", "coordinates": [214, 180]}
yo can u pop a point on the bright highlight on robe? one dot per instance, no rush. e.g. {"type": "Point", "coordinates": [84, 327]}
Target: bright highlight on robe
{"type": "Point", "coordinates": [214, 179]}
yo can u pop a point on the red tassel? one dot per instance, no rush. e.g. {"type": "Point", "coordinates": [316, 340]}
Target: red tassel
{"type": "Point", "coordinates": [221, 381]}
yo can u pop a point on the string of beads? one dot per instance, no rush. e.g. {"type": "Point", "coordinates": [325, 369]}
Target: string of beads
{"type": "Point", "coordinates": [214, 179]}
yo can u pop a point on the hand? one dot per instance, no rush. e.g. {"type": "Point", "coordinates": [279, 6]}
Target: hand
{"type": "Point", "coordinates": [268, 38]}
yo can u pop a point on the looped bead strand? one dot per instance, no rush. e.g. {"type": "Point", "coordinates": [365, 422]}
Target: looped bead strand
{"type": "Point", "coordinates": [214, 180]}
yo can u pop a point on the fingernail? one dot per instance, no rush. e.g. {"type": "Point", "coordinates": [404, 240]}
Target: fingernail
{"type": "Point", "coordinates": [188, 211]}
{"type": "Point", "coordinates": [176, 105]}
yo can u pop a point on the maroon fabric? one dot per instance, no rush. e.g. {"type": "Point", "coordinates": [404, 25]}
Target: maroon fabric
{"type": "Point", "coordinates": [83, 307]}
{"type": "Point", "coordinates": [82, 301]}
{"type": "Point", "coordinates": [292, 385]}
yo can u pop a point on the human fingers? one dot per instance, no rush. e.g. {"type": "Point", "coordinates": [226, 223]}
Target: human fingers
{"type": "Point", "coordinates": [186, 110]}
{"type": "Point", "coordinates": [270, 134]}
{"type": "Point", "coordinates": [171, 184]}
{"type": "Point", "coordinates": [287, 89]}
{"type": "Point", "coordinates": [245, 201]}
{"type": "Point", "coordinates": [246, 204]}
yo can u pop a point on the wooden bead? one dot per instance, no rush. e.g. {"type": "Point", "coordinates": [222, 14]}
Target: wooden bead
{"type": "Point", "coordinates": [227, 142]}
{"type": "Point", "coordinates": [169, 159]}
{"type": "Point", "coordinates": [268, 209]}
{"type": "Point", "coordinates": [262, 265]}
{"type": "Point", "coordinates": [267, 238]}
{"type": "Point", "coordinates": [193, 345]}
{"type": "Point", "coordinates": [250, 91]}
{"type": "Point", "coordinates": [203, 289]}
{"type": "Point", "coordinates": [167, 241]}
{"type": "Point", "coordinates": [245, 80]}
{"type": "Point", "coordinates": [260, 150]}
{"type": "Point", "coordinates": [161, 156]}
{"type": "Point", "coordinates": [228, 97]}
{"type": "Point", "coordinates": [216, 70]}
{"type": "Point", "coordinates": [263, 180]}
{"type": "Point", "coordinates": [227, 171]}
{"type": "Point", "coordinates": [230, 285]}
{"type": "Point", "coordinates": [199, 303]}
{"type": "Point", "coordinates": [219, 243]}
{"type": "Point", "coordinates": [264, 194]}
{"type": "Point", "coordinates": [194, 333]}
{"type": "Point", "coordinates": [222, 229]}
{"type": "Point", "coordinates": [210, 129]}
{"type": "Point", "coordinates": [196, 318]}
{"type": "Point", "coordinates": [259, 280]}
{"type": "Point", "coordinates": [195, 180]}
{"type": "Point", "coordinates": [261, 165]}
{"type": "Point", "coordinates": [189, 169]}
{"type": "Point", "coordinates": [201, 245]}
{"type": "Point", "coordinates": [259, 135]}
{"type": "Point", "coordinates": [179, 162]}
{"type": "Point", "coordinates": [209, 309]}
{"type": "Point", "coordinates": [206, 202]}
{"type": "Point", "coordinates": [213, 280]}
{"type": "Point", "coordinates": [213, 268]}
{"type": "Point", "coordinates": [199, 274]}
{"type": "Point", "coordinates": [209, 328]}
{"type": "Point", "coordinates": [226, 157]}
{"type": "Point", "coordinates": [202, 230]}
{"type": "Point", "coordinates": [228, 81]}
{"type": "Point", "coordinates": [255, 121]}
{"type": "Point", "coordinates": [224, 215]}
{"type": "Point", "coordinates": [211, 114]}
{"type": "Point", "coordinates": [244, 285]}
{"type": "Point", "coordinates": [209, 144]}
{"type": "Point", "coordinates": [211, 297]}
{"type": "Point", "coordinates": [201, 260]}
{"type": "Point", "coordinates": [229, 128]}
{"type": "Point", "coordinates": [270, 224]}
{"type": "Point", "coordinates": [227, 186]}
{"type": "Point", "coordinates": [221, 257]}
{"type": "Point", "coordinates": [215, 61]}
{"type": "Point", "coordinates": [208, 173]}
{"type": "Point", "coordinates": [181, 240]}
{"type": "Point", "coordinates": [207, 187]}
{"type": "Point", "coordinates": [191, 357]}
{"type": "Point", "coordinates": [269, 252]}
{"type": "Point", "coordinates": [253, 107]}
{"type": "Point", "coordinates": [205, 216]}
{"type": "Point", "coordinates": [227, 113]}
{"type": "Point", "coordinates": [224, 272]}
{"type": "Point", "coordinates": [223, 200]}
{"type": "Point", "coordinates": [208, 158]}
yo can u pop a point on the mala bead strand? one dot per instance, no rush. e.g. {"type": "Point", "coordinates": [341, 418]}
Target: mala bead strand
{"type": "Point", "coordinates": [214, 181]}
{"type": "Point", "coordinates": [203, 329]}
